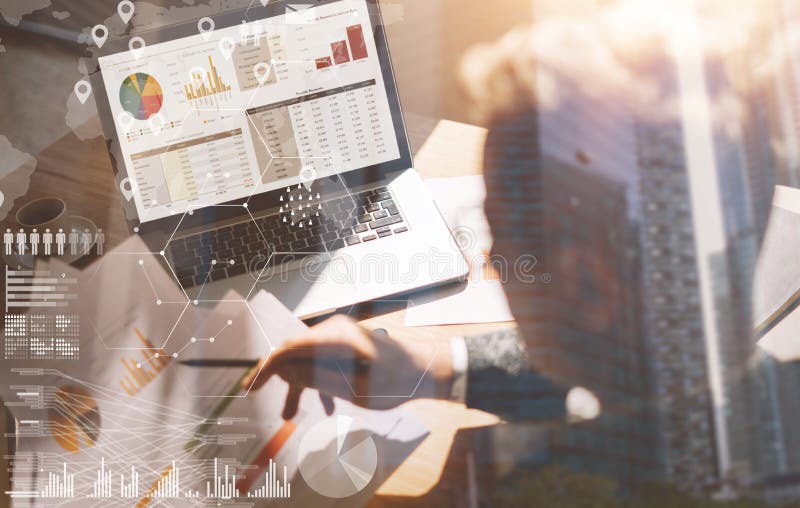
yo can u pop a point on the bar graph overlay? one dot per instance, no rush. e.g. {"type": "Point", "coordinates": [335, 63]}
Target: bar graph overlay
{"type": "Point", "coordinates": [38, 289]}
{"type": "Point", "coordinates": [140, 372]}
{"type": "Point", "coordinates": [102, 485]}
{"type": "Point", "coordinates": [62, 486]}
{"type": "Point", "coordinates": [341, 54]}
{"type": "Point", "coordinates": [208, 89]}
{"type": "Point", "coordinates": [130, 488]}
{"type": "Point", "coordinates": [168, 486]}
{"type": "Point", "coordinates": [273, 487]}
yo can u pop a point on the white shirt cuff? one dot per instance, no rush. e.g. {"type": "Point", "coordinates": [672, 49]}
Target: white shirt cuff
{"type": "Point", "coordinates": [458, 391]}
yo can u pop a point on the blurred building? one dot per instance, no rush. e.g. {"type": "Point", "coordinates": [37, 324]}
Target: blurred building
{"type": "Point", "coordinates": [673, 313]}
{"type": "Point", "coordinates": [590, 197]}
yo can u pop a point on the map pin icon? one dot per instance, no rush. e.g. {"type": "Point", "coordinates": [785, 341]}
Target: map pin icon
{"type": "Point", "coordinates": [156, 123]}
{"type": "Point", "coordinates": [99, 34]}
{"type": "Point", "coordinates": [126, 187]}
{"type": "Point", "coordinates": [261, 71]}
{"type": "Point", "coordinates": [226, 46]}
{"type": "Point", "coordinates": [83, 90]}
{"type": "Point", "coordinates": [206, 27]}
{"type": "Point", "coordinates": [125, 10]}
{"type": "Point", "coordinates": [125, 120]}
{"type": "Point", "coordinates": [136, 45]}
{"type": "Point", "coordinates": [307, 177]}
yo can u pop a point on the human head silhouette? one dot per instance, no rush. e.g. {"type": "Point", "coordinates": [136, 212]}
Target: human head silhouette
{"type": "Point", "coordinates": [47, 230]}
{"type": "Point", "coordinates": [60, 230]}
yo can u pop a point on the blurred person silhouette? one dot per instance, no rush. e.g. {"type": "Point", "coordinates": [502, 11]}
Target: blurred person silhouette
{"type": "Point", "coordinates": [577, 272]}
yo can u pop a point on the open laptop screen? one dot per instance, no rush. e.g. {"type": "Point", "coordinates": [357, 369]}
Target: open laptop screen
{"type": "Point", "coordinates": [233, 112]}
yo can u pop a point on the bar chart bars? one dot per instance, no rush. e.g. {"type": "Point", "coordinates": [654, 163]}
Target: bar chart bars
{"type": "Point", "coordinates": [324, 62]}
{"type": "Point", "coordinates": [358, 46]}
{"type": "Point", "coordinates": [273, 487]}
{"type": "Point", "coordinates": [59, 486]}
{"type": "Point", "coordinates": [139, 373]}
{"type": "Point", "coordinates": [168, 486]}
{"type": "Point", "coordinates": [101, 487]}
{"type": "Point", "coordinates": [340, 52]}
{"type": "Point", "coordinates": [224, 485]}
{"type": "Point", "coordinates": [208, 87]}
{"type": "Point", "coordinates": [131, 488]}
{"type": "Point", "coordinates": [38, 289]}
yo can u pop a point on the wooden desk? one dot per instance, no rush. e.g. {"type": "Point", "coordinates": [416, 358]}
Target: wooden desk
{"type": "Point", "coordinates": [79, 173]}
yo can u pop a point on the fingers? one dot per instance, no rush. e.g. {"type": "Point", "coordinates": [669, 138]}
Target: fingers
{"type": "Point", "coordinates": [292, 401]}
{"type": "Point", "coordinates": [336, 339]}
{"type": "Point", "coordinates": [327, 403]}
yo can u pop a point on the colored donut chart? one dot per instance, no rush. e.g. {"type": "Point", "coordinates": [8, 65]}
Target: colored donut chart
{"type": "Point", "coordinates": [141, 95]}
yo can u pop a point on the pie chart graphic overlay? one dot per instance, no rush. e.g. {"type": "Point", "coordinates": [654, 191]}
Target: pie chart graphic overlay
{"type": "Point", "coordinates": [141, 95]}
{"type": "Point", "coordinates": [74, 418]}
{"type": "Point", "coordinates": [336, 460]}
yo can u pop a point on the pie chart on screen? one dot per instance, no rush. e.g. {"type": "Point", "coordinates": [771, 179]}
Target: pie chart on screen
{"type": "Point", "coordinates": [141, 95]}
{"type": "Point", "coordinates": [336, 460]}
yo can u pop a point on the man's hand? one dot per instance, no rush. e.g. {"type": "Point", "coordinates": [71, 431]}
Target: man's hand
{"type": "Point", "coordinates": [341, 359]}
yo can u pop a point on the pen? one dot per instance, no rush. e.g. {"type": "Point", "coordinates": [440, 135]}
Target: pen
{"type": "Point", "coordinates": [361, 365]}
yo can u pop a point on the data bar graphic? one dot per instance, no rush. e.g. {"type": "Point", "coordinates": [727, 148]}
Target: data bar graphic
{"type": "Point", "coordinates": [273, 487]}
{"type": "Point", "coordinates": [37, 289]}
{"type": "Point", "coordinates": [340, 53]}
{"type": "Point", "coordinates": [212, 85]}
{"type": "Point", "coordinates": [358, 47]}
{"type": "Point", "coordinates": [101, 488]}
{"type": "Point", "coordinates": [224, 485]}
{"type": "Point", "coordinates": [59, 486]}
{"type": "Point", "coordinates": [131, 488]}
{"type": "Point", "coordinates": [324, 63]}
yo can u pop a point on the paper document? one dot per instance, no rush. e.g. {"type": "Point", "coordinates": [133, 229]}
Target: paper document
{"type": "Point", "coordinates": [776, 307]}
{"type": "Point", "coordinates": [481, 299]}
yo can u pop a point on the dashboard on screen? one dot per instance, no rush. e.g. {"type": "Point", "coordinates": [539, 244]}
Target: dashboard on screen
{"type": "Point", "coordinates": [233, 112]}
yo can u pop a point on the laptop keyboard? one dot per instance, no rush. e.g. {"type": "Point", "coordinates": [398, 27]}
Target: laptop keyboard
{"type": "Point", "coordinates": [227, 251]}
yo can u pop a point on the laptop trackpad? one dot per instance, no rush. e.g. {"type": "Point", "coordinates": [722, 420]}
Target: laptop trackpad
{"type": "Point", "coordinates": [311, 291]}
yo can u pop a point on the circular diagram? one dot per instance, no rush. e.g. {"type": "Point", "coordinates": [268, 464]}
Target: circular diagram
{"type": "Point", "coordinates": [141, 95]}
{"type": "Point", "coordinates": [339, 467]}
{"type": "Point", "coordinates": [74, 418]}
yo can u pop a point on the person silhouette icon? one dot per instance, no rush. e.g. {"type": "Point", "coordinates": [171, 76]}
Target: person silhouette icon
{"type": "Point", "coordinates": [47, 241]}
{"type": "Point", "coordinates": [8, 241]}
{"type": "Point", "coordinates": [61, 239]}
{"type": "Point", "coordinates": [22, 239]}
{"type": "Point", "coordinates": [35, 237]}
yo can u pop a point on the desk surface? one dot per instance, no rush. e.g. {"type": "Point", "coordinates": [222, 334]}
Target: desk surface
{"type": "Point", "coordinates": [79, 172]}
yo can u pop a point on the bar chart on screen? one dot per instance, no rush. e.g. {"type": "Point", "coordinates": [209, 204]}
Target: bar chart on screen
{"type": "Point", "coordinates": [350, 49]}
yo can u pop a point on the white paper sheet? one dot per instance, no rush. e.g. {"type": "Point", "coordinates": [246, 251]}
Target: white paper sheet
{"type": "Point", "coordinates": [776, 289]}
{"type": "Point", "coordinates": [481, 299]}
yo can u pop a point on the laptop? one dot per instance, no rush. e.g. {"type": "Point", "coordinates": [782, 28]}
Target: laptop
{"type": "Point", "coordinates": [266, 149]}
